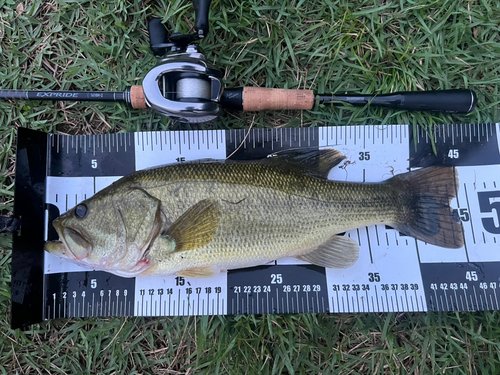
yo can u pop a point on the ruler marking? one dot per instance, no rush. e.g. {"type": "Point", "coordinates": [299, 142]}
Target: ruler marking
{"type": "Point", "coordinates": [237, 303]}
{"type": "Point", "coordinates": [357, 299]}
{"type": "Point", "coordinates": [317, 300]}
{"type": "Point", "coordinates": [277, 303]}
{"type": "Point", "coordinates": [468, 207]}
{"type": "Point", "coordinates": [436, 298]}
{"type": "Point", "coordinates": [451, 303]}
{"type": "Point", "coordinates": [376, 295]}
{"type": "Point", "coordinates": [338, 301]}
{"type": "Point", "coordinates": [178, 297]}
{"type": "Point", "coordinates": [368, 301]}
{"type": "Point", "coordinates": [475, 295]}
{"type": "Point", "coordinates": [287, 303]}
{"type": "Point", "coordinates": [446, 299]}
{"type": "Point", "coordinates": [267, 302]}
{"type": "Point", "coordinates": [467, 300]}
{"type": "Point", "coordinates": [486, 299]}
{"type": "Point", "coordinates": [364, 137]}
{"type": "Point", "coordinates": [442, 304]}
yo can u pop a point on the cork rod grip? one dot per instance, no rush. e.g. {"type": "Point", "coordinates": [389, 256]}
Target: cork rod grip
{"type": "Point", "coordinates": [137, 99]}
{"type": "Point", "coordinates": [262, 99]}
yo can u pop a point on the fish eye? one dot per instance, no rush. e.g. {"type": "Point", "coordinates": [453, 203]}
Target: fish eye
{"type": "Point", "coordinates": [81, 211]}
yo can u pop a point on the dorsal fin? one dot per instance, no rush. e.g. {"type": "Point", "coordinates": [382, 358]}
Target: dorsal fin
{"type": "Point", "coordinates": [315, 162]}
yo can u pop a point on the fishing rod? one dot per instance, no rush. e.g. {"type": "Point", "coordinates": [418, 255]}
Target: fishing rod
{"type": "Point", "coordinates": [185, 87]}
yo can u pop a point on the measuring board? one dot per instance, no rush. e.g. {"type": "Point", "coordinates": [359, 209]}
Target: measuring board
{"type": "Point", "coordinates": [394, 272]}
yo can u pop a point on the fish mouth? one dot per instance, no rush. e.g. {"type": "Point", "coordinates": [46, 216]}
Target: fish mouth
{"type": "Point", "coordinates": [56, 248]}
{"type": "Point", "coordinates": [72, 244]}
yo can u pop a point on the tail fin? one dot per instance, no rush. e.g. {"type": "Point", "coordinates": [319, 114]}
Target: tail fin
{"type": "Point", "coordinates": [427, 214]}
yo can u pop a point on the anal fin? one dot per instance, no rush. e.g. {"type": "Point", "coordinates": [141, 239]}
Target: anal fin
{"type": "Point", "coordinates": [337, 252]}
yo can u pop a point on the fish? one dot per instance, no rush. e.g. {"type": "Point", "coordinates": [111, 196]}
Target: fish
{"type": "Point", "coordinates": [200, 218]}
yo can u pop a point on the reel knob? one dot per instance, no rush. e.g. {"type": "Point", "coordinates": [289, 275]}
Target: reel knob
{"type": "Point", "coordinates": [158, 37]}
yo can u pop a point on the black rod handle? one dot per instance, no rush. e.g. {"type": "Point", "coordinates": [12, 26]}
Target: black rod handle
{"type": "Point", "coordinates": [452, 101]}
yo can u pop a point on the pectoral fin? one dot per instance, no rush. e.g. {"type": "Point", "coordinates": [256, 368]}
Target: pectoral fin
{"type": "Point", "coordinates": [196, 227]}
{"type": "Point", "coordinates": [338, 252]}
{"type": "Point", "coordinates": [199, 272]}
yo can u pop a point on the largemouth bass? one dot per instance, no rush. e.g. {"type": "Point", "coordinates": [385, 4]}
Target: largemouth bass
{"type": "Point", "coordinates": [195, 219]}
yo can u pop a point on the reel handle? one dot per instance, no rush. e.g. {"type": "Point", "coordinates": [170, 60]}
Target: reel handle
{"type": "Point", "coordinates": [158, 36]}
{"type": "Point", "coordinates": [201, 9]}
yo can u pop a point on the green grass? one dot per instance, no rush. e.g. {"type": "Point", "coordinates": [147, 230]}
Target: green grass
{"type": "Point", "coordinates": [328, 46]}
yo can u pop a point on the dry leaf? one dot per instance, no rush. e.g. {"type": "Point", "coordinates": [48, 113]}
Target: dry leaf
{"type": "Point", "coordinates": [20, 8]}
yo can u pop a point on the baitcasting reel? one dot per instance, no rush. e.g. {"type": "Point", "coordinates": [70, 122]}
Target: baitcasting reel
{"type": "Point", "coordinates": [183, 85]}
